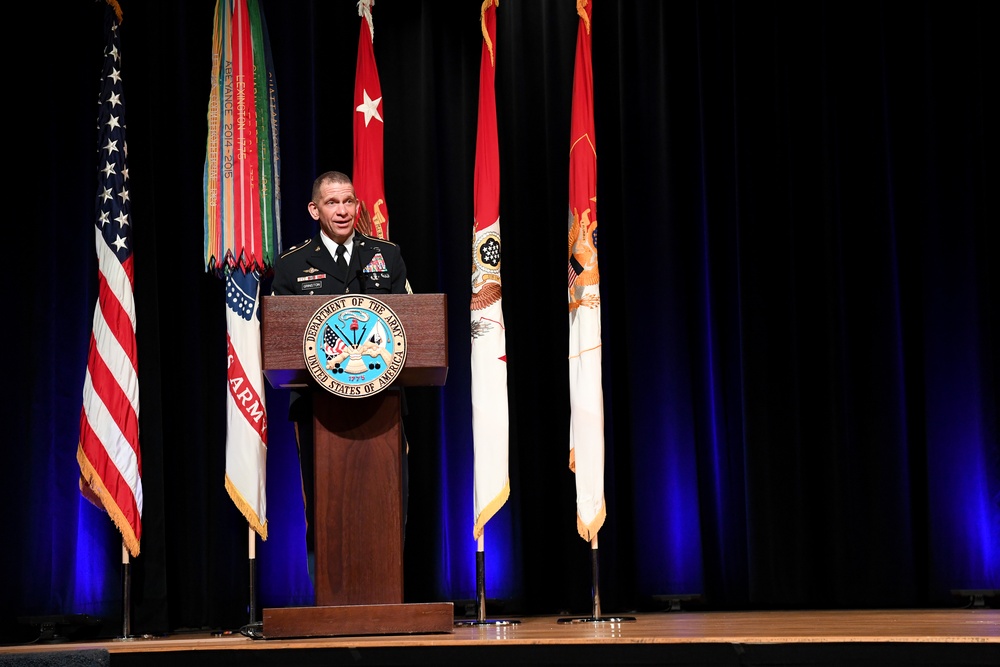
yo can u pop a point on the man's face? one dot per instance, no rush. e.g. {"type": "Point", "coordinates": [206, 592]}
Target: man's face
{"type": "Point", "coordinates": [335, 210]}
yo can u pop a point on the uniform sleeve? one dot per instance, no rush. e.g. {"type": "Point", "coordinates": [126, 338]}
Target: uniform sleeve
{"type": "Point", "coordinates": [399, 274]}
{"type": "Point", "coordinates": [281, 283]}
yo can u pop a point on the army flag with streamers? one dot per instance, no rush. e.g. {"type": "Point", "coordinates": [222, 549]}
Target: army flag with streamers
{"type": "Point", "coordinates": [586, 432]}
{"type": "Point", "coordinates": [242, 227]}
{"type": "Point", "coordinates": [489, 357]}
{"type": "Point", "coordinates": [241, 177]}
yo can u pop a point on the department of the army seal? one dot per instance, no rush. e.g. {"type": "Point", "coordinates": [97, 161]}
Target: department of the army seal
{"type": "Point", "coordinates": [354, 346]}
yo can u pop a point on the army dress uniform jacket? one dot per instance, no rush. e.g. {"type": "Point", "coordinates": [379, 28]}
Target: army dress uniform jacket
{"type": "Point", "coordinates": [376, 267]}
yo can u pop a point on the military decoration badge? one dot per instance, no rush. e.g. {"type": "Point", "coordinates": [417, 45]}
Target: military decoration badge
{"type": "Point", "coordinates": [354, 346]}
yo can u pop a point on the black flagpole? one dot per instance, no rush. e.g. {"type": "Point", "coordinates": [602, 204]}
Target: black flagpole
{"type": "Point", "coordinates": [126, 596]}
{"type": "Point", "coordinates": [595, 616]}
{"type": "Point", "coordinates": [481, 591]}
{"type": "Point", "coordinates": [253, 575]}
{"type": "Point", "coordinates": [254, 628]}
{"type": "Point", "coordinates": [126, 593]}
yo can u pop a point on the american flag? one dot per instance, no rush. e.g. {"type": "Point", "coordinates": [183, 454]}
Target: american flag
{"type": "Point", "coordinates": [108, 451]}
{"type": "Point", "coordinates": [333, 344]}
{"type": "Point", "coordinates": [241, 228]}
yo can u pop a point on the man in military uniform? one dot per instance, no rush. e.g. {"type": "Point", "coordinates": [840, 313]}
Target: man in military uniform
{"type": "Point", "coordinates": [338, 260]}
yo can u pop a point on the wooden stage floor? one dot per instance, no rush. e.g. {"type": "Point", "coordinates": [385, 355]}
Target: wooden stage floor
{"type": "Point", "coordinates": [882, 637]}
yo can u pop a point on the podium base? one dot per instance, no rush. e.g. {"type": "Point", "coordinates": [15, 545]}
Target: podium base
{"type": "Point", "coordinates": [359, 619]}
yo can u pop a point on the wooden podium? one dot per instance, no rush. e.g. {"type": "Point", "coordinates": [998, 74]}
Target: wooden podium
{"type": "Point", "coordinates": [358, 463]}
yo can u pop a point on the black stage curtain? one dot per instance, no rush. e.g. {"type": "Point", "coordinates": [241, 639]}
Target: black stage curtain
{"type": "Point", "coordinates": [797, 206]}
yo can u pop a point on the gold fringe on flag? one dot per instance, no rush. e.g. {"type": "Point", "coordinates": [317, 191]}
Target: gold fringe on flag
{"type": "Point", "coordinates": [482, 22]}
{"type": "Point", "coordinates": [115, 6]}
{"type": "Point", "coordinates": [581, 10]}
{"type": "Point", "coordinates": [93, 489]}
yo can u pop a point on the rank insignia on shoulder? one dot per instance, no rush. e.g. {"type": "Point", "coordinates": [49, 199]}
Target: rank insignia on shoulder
{"type": "Point", "coordinates": [294, 248]}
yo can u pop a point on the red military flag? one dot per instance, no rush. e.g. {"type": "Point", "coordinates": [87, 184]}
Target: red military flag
{"type": "Point", "coordinates": [369, 172]}
{"type": "Point", "coordinates": [586, 433]}
{"type": "Point", "coordinates": [489, 356]}
{"type": "Point", "coordinates": [108, 452]}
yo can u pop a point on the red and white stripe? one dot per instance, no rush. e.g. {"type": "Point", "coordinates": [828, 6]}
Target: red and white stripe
{"type": "Point", "coordinates": [109, 456]}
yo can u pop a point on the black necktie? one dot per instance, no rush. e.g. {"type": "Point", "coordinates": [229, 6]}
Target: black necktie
{"type": "Point", "coordinates": [341, 262]}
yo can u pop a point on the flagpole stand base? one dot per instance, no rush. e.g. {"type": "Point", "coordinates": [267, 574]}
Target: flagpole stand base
{"type": "Point", "coordinates": [487, 621]}
{"type": "Point", "coordinates": [598, 619]}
